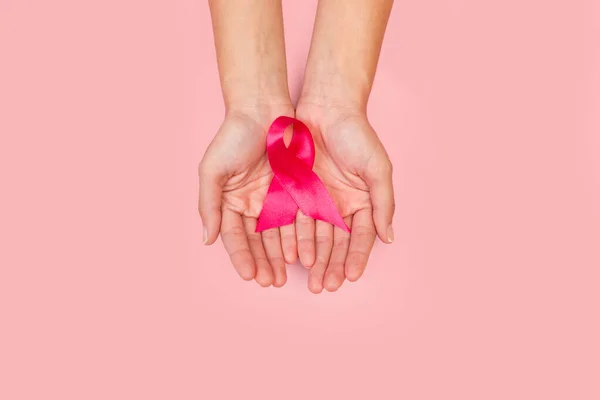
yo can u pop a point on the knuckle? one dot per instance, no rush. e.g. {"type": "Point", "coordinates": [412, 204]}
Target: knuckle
{"type": "Point", "coordinates": [254, 237]}
{"type": "Point", "coordinates": [323, 240]}
{"type": "Point", "coordinates": [235, 232]}
{"type": "Point", "coordinates": [356, 257]}
{"type": "Point", "coordinates": [306, 242]}
{"type": "Point", "coordinates": [270, 234]}
{"type": "Point", "coordinates": [365, 233]}
{"type": "Point", "coordinates": [276, 261]}
{"type": "Point", "coordinates": [322, 258]}
{"type": "Point", "coordinates": [340, 242]}
{"type": "Point", "coordinates": [288, 238]}
{"type": "Point", "coordinates": [239, 253]}
{"type": "Point", "coordinates": [202, 169]}
{"type": "Point", "coordinates": [262, 260]}
{"type": "Point", "coordinates": [388, 166]}
{"type": "Point", "coordinates": [336, 265]}
{"type": "Point", "coordinates": [383, 168]}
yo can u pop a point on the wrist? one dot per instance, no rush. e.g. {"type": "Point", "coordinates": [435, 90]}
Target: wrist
{"type": "Point", "coordinates": [333, 95]}
{"type": "Point", "coordinates": [324, 115]}
{"type": "Point", "coordinates": [324, 93]}
{"type": "Point", "coordinates": [255, 91]}
{"type": "Point", "coordinates": [331, 85]}
{"type": "Point", "coordinates": [262, 111]}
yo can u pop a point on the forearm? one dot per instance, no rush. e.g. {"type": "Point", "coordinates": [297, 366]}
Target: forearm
{"type": "Point", "coordinates": [250, 51]}
{"type": "Point", "coordinates": [345, 50]}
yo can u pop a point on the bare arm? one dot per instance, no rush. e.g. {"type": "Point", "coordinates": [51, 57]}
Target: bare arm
{"type": "Point", "coordinates": [352, 161]}
{"type": "Point", "coordinates": [345, 49]}
{"type": "Point", "coordinates": [234, 172]}
{"type": "Point", "coordinates": [250, 51]}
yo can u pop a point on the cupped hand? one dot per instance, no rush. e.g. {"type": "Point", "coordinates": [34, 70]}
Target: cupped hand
{"type": "Point", "coordinates": [354, 166]}
{"type": "Point", "coordinates": [234, 177]}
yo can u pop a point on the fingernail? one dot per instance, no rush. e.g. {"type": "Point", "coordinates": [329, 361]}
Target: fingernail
{"type": "Point", "coordinates": [204, 235]}
{"type": "Point", "coordinates": [390, 234]}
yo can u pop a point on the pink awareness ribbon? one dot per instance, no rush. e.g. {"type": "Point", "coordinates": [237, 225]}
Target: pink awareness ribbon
{"type": "Point", "coordinates": [294, 185]}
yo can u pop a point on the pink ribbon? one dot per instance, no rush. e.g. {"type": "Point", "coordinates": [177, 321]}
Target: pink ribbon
{"type": "Point", "coordinates": [294, 185]}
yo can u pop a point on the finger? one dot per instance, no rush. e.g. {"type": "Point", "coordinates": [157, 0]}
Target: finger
{"type": "Point", "coordinates": [236, 244]}
{"type": "Point", "coordinates": [324, 243]}
{"type": "Point", "coordinates": [272, 244]}
{"type": "Point", "coordinates": [362, 239]}
{"type": "Point", "coordinates": [382, 197]}
{"type": "Point", "coordinates": [305, 235]}
{"type": "Point", "coordinates": [335, 275]}
{"type": "Point", "coordinates": [209, 204]}
{"type": "Point", "coordinates": [264, 273]}
{"type": "Point", "coordinates": [288, 243]}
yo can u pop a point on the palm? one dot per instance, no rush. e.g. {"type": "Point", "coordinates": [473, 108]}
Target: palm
{"type": "Point", "coordinates": [353, 165]}
{"type": "Point", "coordinates": [234, 178]}
{"type": "Point", "coordinates": [239, 148]}
{"type": "Point", "coordinates": [350, 160]}
{"type": "Point", "coordinates": [348, 151]}
{"type": "Point", "coordinates": [339, 168]}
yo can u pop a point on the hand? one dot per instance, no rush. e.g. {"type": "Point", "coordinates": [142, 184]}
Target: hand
{"type": "Point", "coordinates": [355, 168]}
{"type": "Point", "coordinates": [234, 178]}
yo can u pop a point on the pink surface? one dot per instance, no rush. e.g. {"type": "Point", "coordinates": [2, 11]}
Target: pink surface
{"type": "Point", "coordinates": [491, 114]}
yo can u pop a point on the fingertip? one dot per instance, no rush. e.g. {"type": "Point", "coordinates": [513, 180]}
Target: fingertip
{"type": "Point", "coordinates": [315, 288]}
{"type": "Point", "coordinates": [385, 232]}
{"type": "Point", "coordinates": [280, 281]}
{"type": "Point", "coordinates": [263, 278]}
{"type": "Point", "coordinates": [307, 260]}
{"type": "Point", "coordinates": [390, 234]}
{"type": "Point", "coordinates": [263, 282]}
{"type": "Point", "coordinates": [290, 250]}
{"type": "Point", "coordinates": [305, 239]}
{"type": "Point", "coordinates": [290, 257]}
{"type": "Point", "coordinates": [355, 267]}
{"type": "Point", "coordinates": [353, 275]}
{"type": "Point", "coordinates": [209, 242]}
{"type": "Point", "coordinates": [247, 274]}
{"type": "Point", "coordinates": [209, 208]}
{"type": "Point", "coordinates": [210, 232]}
{"type": "Point", "coordinates": [207, 239]}
{"type": "Point", "coordinates": [244, 266]}
{"type": "Point", "coordinates": [332, 284]}
{"type": "Point", "coordinates": [279, 273]}
{"type": "Point", "coordinates": [334, 277]}
{"type": "Point", "coordinates": [382, 198]}
{"type": "Point", "coordinates": [288, 243]}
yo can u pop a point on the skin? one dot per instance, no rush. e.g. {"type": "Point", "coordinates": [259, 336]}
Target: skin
{"type": "Point", "coordinates": [234, 172]}
{"type": "Point", "coordinates": [351, 161]}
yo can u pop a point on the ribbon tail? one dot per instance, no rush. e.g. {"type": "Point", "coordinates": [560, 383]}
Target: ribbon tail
{"type": "Point", "coordinates": [279, 208]}
{"type": "Point", "coordinates": [321, 206]}
{"type": "Point", "coordinates": [310, 194]}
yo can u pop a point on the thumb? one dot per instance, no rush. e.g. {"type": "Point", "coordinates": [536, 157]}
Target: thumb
{"type": "Point", "coordinates": [209, 205]}
{"type": "Point", "coordinates": [382, 198]}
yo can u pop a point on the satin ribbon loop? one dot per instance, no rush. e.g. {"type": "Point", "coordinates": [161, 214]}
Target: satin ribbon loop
{"type": "Point", "coordinates": [295, 185]}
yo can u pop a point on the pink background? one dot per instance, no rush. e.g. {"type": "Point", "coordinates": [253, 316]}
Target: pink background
{"type": "Point", "coordinates": [490, 111]}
